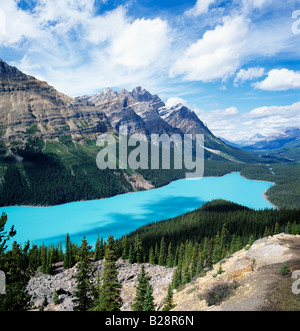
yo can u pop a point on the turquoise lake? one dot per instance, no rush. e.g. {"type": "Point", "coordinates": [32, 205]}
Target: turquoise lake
{"type": "Point", "coordinates": [124, 213]}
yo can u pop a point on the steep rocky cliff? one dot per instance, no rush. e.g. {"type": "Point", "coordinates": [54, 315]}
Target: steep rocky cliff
{"type": "Point", "coordinates": [32, 108]}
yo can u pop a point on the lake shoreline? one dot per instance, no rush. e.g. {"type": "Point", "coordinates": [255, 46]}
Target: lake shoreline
{"type": "Point", "coordinates": [265, 193]}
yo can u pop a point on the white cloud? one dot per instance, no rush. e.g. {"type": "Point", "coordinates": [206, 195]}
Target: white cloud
{"type": "Point", "coordinates": [268, 120]}
{"type": "Point", "coordinates": [171, 102]}
{"type": "Point", "coordinates": [78, 51]}
{"type": "Point", "coordinates": [232, 125]}
{"type": "Point", "coordinates": [280, 80]}
{"type": "Point", "coordinates": [249, 74]}
{"type": "Point", "coordinates": [201, 7]}
{"type": "Point", "coordinates": [255, 4]}
{"type": "Point", "coordinates": [217, 55]}
{"type": "Point", "coordinates": [287, 112]}
{"type": "Point", "coordinates": [222, 122]}
{"type": "Point", "coordinates": [141, 43]}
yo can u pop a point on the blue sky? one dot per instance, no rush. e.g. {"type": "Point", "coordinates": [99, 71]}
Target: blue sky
{"type": "Point", "coordinates": [235, 62]}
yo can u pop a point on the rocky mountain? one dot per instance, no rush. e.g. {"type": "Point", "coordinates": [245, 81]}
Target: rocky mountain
{"type": "Point", "coordinates": [147, 114]}
{"type": "Point", "coordinates": [40, 126]}
{"type": "Point", "coordinates": [138, 110]}
{"type": "Point", "coordinates": [30, 107]}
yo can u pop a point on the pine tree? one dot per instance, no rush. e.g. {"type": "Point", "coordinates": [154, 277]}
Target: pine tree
{"type": "Point", "coordinates": [131, 255]}
{"type": "Point", "coordinates": [55, 299]}
{"type": "Point", "coordinates": [110, 291]}
{"type": "Point", "coordinates": [217, 250]}
{"type": "Point", "coordinates": [17, 297]}
{"type": "Point", "coordinates": [96, 294]}
{"type": "Point", "coordinates": [125, 251]}
{"type": "Point", "coordinates": [170, 256]}
{"type": "Point", "coordinates": [186, 274]}
{"type": "Point", "coordinates": [169, 303]}
{"type": "Point", "coordinates": [68, 257]}
{"type": "Point", "coordinates": [149, 299]}
{"type": "Point", "coordinates": [176, 279]}
{"type": "Point", "coordinates": [162, 259]}
{"type": "Point", "coordinates": [97, 251]}
{"type": "Point", "coordinates": [4, 236]}
{"type": "Point", "coordinates": [151, 256]}
{"type": "Point", "coordinates": [138, 303]}
{"type": "Point", "coordinates": [277, 228]}
{"type": "Point", "coordinates": [138, 249]}
{"type": "Point", "coordinates": [82, 295]}
{"type": "Point", "coordinates": [44, 260]}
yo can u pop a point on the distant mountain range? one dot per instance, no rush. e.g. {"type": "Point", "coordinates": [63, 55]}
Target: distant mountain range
{"type": "Point", "coordinates": [284, 143]}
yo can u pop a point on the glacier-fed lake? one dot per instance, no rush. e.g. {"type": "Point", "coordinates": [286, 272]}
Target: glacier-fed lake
{"type": "Point", "coordinates": [127, 212]}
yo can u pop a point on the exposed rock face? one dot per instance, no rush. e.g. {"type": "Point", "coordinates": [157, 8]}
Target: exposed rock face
{"type": "Point", "coordinates": [64, 282]}
{"type": "Point", "coordinates": [184, 119]}
{"type": "Point", "coordinates": [30, 107]}
{"type": "Point", "coordinates": [138, 110]}
{"type": "Point", "coordinates": [256, 272]}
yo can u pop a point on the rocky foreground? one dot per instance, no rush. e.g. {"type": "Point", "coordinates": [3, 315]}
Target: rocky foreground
{"type": "Point", "coordinates": [257, 275]}
{"type": "Point", "coordinates": [42, 286]}
{"type": "Point", "coordinates": [256, 271]}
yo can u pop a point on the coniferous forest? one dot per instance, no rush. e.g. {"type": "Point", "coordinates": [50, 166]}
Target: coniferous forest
{"type": "Point", "coordinates": [190, 243]}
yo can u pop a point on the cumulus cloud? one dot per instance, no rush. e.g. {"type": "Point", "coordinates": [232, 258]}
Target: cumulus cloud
{"type": "Point", "coordinates": [268, 120]}
{"type": "Point", "coordinates": [280, 80]}
{"type": "Point", "coordinates": [222, 122]}
{"type": "Point", "coordinates": [140, 43]}
{"type": "Point", "coordinates": [171, 102]}
{"type": "Point", "coordinates": [249, 74]}
{"type": "Point", "coordinates": [217, 55]}
{"type": "Point", "coordinates": [72, 46]}
{"type": "Point", "coordinates": [255, 4]}
{"type": "Point", "coordinates": [201, 7]}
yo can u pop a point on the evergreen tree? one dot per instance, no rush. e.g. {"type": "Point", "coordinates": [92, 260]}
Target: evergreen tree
{"type": "Point", "coordinates": [176, 279]}
{"type": "Point", "coordinates": [141, 291]}
{"type": "Point", "coordinates": [162, 259]}
{"type": "Point", "coordinates": [149, 299]}
{"type": "Point", "coordinates": [4, 236]}
{"type": "Point", "coordinates": [55, 299]}
{"type": "Point", "coordinates": [131, 255]}
{"type": "Point", "coordinates": [97, 251]}
{"type": "Point", "coordinates": [151, 256]}
{"type": "Point", "coordinates": [170, 256]}
{"type": "Point", "coordinates": [82, 295]}
{"type": "Point", "coordinates": [217, 249]}
{"type": "Point", "coordinates": [125, 251]}
{"type": "Point", "coordinates": [138, 249]}
{"type": "Point", "coordinates": [68, 257]}
{"type": "Point", "coordinates": [96, 293]}
{"type": "Point", "coordinates": [277, 228]}
{"type": "Point", "coordinates": [16, 297]}
{"type": "Point", "coordinates": [110, 291]}
{"type": "Point", "coordinates": [169, 303]}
